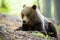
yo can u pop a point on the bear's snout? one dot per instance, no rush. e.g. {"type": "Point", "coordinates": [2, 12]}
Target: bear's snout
{"type": "Point", "coordinates": [24, 22]}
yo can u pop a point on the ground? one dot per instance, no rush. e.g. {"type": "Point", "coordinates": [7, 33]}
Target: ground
{"type": "Point", "coordinates": [8, 24]}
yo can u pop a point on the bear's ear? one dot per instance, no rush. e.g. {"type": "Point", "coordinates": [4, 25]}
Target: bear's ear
{"type": "Point", "coordinates": [34, 7]}
{"type": "Point", "coordinates": [24, 6]}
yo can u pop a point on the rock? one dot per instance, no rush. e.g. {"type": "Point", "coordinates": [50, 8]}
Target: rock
{"type": "Point", "coordinates": [23, 35]}
{"type": "Point", "coordinates": [9, 24]}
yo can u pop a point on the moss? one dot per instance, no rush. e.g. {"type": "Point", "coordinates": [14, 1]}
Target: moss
{"type": "Point", "coordinates": [58, 28]}
{"type": "Point", "coordinates": [0, 38]}
{"type": "Point", "coordinates": [40, 34]}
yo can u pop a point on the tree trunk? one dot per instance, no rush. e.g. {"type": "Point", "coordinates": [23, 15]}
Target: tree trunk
{"type": "Point", "coordinates": [57, 11]}
{"type": "Point", "coordinates": [46, 4]}
{"type": "Point", "coordinates": [38, 4]}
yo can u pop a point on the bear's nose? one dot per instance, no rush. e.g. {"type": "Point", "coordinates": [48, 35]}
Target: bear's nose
{"type": "Point", "coordinates": [24, 21]}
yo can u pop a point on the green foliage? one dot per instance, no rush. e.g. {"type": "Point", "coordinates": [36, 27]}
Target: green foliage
{"type": "Point", "coordinates": [58, 28]}
{"type": "Point", "coordinates": [51, 33]}
{"type": "Point", "coordinates": [3, 6]}
{"type": "Point", "coordinates": [14, 5]}
{"type": "Point", "coordinates": [4, 10]}
{"type": "Point", "coordinates": [0, 38]}
{"type": "Point", "coordinates": [40, 34]}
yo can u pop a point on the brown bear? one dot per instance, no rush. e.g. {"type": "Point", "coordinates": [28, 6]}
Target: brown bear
{"type": "Point", "coordinates": [33, 20]}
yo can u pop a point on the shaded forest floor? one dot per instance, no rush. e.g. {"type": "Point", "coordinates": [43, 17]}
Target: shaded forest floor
{"type": "Point", "coordinates": [9, 23]}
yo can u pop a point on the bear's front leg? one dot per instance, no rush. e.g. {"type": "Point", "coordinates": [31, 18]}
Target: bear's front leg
{"type": "Point", "coordinates": [52, 30]}
{"type": "Point", "coordinates": [39, 27]}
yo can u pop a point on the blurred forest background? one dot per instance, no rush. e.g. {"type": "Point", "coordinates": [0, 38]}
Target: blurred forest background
{"type": "Point", "coordinates": [49, 8]}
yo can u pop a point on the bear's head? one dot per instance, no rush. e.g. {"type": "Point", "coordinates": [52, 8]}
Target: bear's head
{"type": "Point", "coordinates": [29, 14]}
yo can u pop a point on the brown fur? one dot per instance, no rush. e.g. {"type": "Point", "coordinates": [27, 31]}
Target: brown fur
{"type": "Point", "coordinates": [34, 21]}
